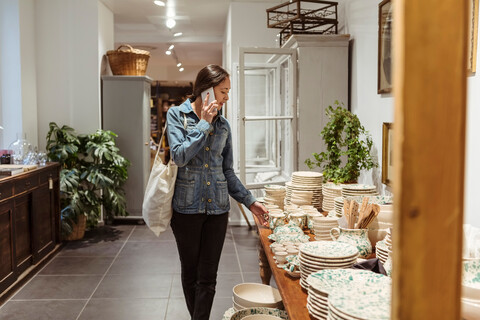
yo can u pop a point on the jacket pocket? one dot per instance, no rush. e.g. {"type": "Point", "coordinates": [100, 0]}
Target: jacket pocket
{"type": "Point", "coordinates": [184, 193]}
{"type": "Point", "coordinates": [222, 194]}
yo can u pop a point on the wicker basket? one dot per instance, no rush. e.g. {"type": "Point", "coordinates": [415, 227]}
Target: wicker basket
{"type": "Point", "coordinates": [78, 229]}
{"type": "Point", "coordinates": [127, 61]}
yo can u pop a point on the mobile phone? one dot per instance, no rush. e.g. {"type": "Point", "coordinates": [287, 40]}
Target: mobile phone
{"type": "Point", "coordinates": [211, 96]}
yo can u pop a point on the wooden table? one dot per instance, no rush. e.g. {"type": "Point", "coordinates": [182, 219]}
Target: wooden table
{"type": "Point", "coordinates": [293, 296]}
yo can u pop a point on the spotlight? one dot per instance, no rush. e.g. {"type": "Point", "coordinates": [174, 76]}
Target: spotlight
{"type": "Point", "coordinates": [178, 34]}
{"type": "Point", "coordinates": [171, 47]}
{"type": "Point", "coordinates": [179, 64]}
{"type": "Point", "coordinates": [159, 3]}
{"type": "Point", "coordinates": [170, 23]}
{"type": "Point", "coordinates": [168, 52]}
{"type": "Point", "coordinates": [181, 69]}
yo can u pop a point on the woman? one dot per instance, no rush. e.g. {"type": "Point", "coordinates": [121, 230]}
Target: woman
{"type": "Point", "coordinates": [200, 142]}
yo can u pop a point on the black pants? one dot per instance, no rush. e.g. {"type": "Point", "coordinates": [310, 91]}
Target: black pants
{"type": "Point", "coordinates": [200, 239]}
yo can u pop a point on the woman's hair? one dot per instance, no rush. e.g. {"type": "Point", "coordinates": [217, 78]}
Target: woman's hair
{"type": "Point", "coordinates": [210, 76]}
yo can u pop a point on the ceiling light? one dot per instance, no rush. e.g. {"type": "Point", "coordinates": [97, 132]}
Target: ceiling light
{"type": "Point", "coordinates": [179, 64]}
{"type": "Point", "coordinates": [177, 34]}
{"type": "Point", "coordinates": [181, 69]}
{"type": "Point", "coordinates": [159, 3]}
{"type": "Point", "coordinates": [170, 23]}
{"type": "Point", "coordinates": [168, 52]}
{"type": "Point", "coordinates": [171, 47]}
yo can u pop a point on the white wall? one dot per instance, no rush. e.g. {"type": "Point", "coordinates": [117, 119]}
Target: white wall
{"type": "Point", "coordinates": [361, 22]}
{"type": "Point", "coordinates": [472, 163]}
{"type": "Point", "coordinates": [71, 36]}
{"type": "Point", "coordinates": [10, 73]}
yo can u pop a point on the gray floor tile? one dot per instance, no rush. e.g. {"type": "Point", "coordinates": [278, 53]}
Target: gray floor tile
{"type": "Point", "coordinates": [135, 286]}
{"type": "Point", "coordinates": [42, 310]}
{"type": "Point", "coordinates": [252, 277]}
{"type": "Point", "coordinates": [59, 287]}
{"type": "Point", "coordinates": [143, 233]}
{"type": "Point", "coordinates": [77, 265]}
{"type": "Point", "coordinates": [108, 233]}
{"type": "Point", "coordinates": [249, 261]}
{"type": "Point", "coordinates": [152, 265]}
{"type": "Point", "coordinates": [220, 305]}
{"type": "Point", "coordinates": [228, 247]}
{"type": "Point", "coordinates": [176, 290]}
{"type": "Point", "coordinates": [125, 309]}
{"type": "Point", "coordinates": [177, 310]}
{"type": "Point", "coordinates": [228, 263]}
{"type": "Point", "coordinates": [225, 284]}
{"type": "Point", "coordinates": [138, 250]}
{"type": "Point", "coordinates": [92, 249]}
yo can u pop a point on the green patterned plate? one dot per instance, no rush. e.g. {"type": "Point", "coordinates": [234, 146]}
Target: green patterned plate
{"type": "Point", "coordinates": [329, 249]}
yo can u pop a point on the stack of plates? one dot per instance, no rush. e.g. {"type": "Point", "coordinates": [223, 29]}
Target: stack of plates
{"type": "Point", "coordinates": [322, 226]}
{"type": "Point", "coordinates": [275, 195]}
{"type": "Point", "coordinates": [471, 289]}
{"type": "Point", "coordinates": [304, 182]}
{"type": "Point", "coordinates": [318, 255]}
{"type": "Point", "coordinates": [322, 283]}
{"type": "Point", "coordinates": [338, 204]}
{"type": "Point", "coordinates": [383, 248]}
{"type": "Point", "coordinates": [352, 190]}
{"type": "Point", "coordinates": [330, 191]}
{"type": "Point", "coordinates": [362, 303]}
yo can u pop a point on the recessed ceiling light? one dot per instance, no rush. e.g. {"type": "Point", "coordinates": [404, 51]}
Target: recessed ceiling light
{"type": "Point", "coordinates": [181, 69]}
{"type": "Point", "coordinates": [159, 3]}
{"type": "Point", "coordinates": [171, 47]}
{"type": "Point", "coordinates": [168, 52]}
{"type": "Point", "coordinates": [178, 34]}
{"type": "Point", "coordinates": [170, 23]}
{"type": "Point", "coordinates": [179, 64]}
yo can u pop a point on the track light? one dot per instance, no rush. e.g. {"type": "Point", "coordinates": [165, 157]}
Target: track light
{"type": "Point", "coordinates": [179, 64]}
{"type": "Point", "coordinates": [171, 47]}
{"type": "Point", "coordinates": [177, 34]}
{"type": "Point", "coordinates": [168, 52]}
{"type": "Point", "coordinates": [170, 23]}
{"type": "Point", "coordinates": [159, 3]}
{"type": "Point", "coordinates": [181, 69]}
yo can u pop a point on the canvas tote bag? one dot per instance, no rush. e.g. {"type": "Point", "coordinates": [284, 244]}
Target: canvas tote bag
{"type": "Point", "coordinates": [157, 202]}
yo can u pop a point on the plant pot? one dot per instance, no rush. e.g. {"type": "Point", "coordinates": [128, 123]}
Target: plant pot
{"type": "Point", "coordinates": [78, 229]}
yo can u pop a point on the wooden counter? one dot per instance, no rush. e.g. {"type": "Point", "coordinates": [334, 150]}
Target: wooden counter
{"type": "Point", "coordinates": [294, 297]}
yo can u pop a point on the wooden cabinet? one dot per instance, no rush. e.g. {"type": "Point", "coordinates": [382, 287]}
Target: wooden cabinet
{"type": "Point", "coordinates": [29, 220]}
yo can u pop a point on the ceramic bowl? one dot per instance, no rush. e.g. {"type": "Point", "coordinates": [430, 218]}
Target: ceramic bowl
{"type": "Point", "coordinates": [471, 280]}
{"type": "Point", "coordinates": [239, 315]}
{"type": "Point", "coordinates": [261, 317]}
{"type": "Point", "coordinates": [256, 295]}
{"type": "Point", "coordinates": [236, 306]}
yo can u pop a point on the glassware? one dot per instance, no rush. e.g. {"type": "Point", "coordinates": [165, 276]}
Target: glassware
{"type": "Point", "coordinates": [20, 149]}
{"type": "Point", "coordinates": [42, 158]}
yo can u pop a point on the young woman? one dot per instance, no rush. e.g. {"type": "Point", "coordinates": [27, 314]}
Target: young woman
{"type": "Point", "coordinates": [200, 142]}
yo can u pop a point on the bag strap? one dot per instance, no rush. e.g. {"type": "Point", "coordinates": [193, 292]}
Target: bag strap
{"type": "Point", "coordinates": [163, 132]}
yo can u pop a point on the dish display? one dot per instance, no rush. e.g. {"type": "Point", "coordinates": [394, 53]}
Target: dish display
{"type": "Point", "coordinates": [256, 295]}
{"type": "Point", "coordinates": [231, 314]}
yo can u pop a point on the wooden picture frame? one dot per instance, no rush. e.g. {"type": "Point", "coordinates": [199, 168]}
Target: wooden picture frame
{"type": "Point", "coordinates": [387, 150]}
{"type": "Point", "coordinates": [473, 36]}
{"type": "Point", "coordinates": [385, 59]}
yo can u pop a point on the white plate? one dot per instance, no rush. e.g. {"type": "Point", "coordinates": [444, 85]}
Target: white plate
{"type": "Point", "coordinates": [329, 249]}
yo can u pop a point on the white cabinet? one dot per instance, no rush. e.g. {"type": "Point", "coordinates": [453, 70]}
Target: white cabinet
{"type": "Point", "coordinates": [126, 111]}
{"type": "Point", "coordinates": [322, 78]}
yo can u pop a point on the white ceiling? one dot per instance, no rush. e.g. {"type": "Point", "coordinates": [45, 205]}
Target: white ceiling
{"type": "Point", "coordinates": [141, 23]}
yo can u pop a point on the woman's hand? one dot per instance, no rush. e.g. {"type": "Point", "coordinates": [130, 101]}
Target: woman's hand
{"type": "Point", "coordinates": [209, 111]}
{"type": "Point", "coordinates": [260, 212]}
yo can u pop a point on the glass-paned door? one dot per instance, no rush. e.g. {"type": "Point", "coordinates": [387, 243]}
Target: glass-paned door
{"type": "Point", "coordinates": [267, 116]}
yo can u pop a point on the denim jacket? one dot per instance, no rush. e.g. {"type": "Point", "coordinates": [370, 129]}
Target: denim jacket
{"type": "Point", "coordinates": [204, 156]}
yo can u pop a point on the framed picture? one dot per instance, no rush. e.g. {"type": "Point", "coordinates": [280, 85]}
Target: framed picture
{"type": "Point", "coordinates": [473, 35]}
{"type": "Point", "coordinates": [387, 150]}
{"type": "Point", "coordinates": [385, 69]}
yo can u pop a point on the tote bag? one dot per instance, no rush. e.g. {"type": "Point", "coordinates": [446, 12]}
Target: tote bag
{"type": "Point", "coordinates": [157, 202]}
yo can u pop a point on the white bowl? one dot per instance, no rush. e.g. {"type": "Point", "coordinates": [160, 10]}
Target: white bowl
{"type": "Point", "coordinates": [236, 306]}
{"type": "Point", "coordinates": [470, 309]}
{"type": "Point", "coordinates": [261, 317]}
{"type": "Point", "coordinates": [256, 295]}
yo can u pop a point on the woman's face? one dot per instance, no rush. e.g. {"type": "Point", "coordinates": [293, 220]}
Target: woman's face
{"type": "Point", "coordinates": [221, 92]}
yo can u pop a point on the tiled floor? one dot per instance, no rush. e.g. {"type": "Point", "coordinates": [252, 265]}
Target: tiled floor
{"type": "Point", "coordinates": [125, 272]}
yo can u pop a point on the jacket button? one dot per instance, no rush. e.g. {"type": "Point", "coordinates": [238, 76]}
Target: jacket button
{"type": "Point", "coordinates": [207, 148]}
{"type": "Point", "coordinates": [203, 199]}
{"type": "Point", "coordinates": [206, 165]}
{"type": "Point", "coordinates": [211, 133]}
{"type": "Point", "coordinates": [209, 200]}
{"type": "Point", "coordinates": [208, 183]}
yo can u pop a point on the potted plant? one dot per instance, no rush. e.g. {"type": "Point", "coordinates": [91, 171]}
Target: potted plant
{"type": "Point", "coordinates": [93, 174]}
{"type": "Point", "coordinates": [343, 136]}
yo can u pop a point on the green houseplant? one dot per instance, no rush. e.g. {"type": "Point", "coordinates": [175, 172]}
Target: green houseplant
{"type": "Point", "coordinates": [343, 136]}
{"type": "Point", "coordinates": [93, 174]}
